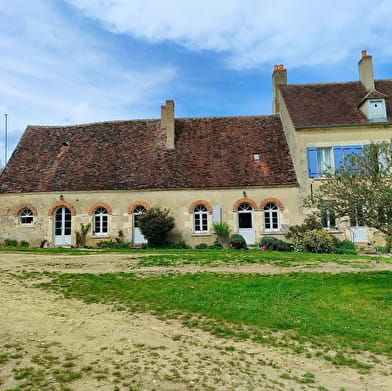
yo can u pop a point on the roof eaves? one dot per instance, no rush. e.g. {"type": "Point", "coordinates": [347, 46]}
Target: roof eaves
{"type": "Point", "coordinates": [302, 127]}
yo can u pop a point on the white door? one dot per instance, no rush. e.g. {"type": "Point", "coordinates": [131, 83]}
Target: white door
{"type": "Point", "coordinates": [359, 234]}
{"type": "Point", "coordinates": [138, 237]}
{"type": "Point", "coordinates": [245, 223]}
{"type": "Point", "coordinates": [62, 227]}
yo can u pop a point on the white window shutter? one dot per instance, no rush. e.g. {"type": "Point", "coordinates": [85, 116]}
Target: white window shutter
{"type": "Point", "coordinates": [217, 218]}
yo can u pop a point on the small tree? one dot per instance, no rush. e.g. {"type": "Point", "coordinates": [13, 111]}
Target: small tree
{"type": "Point", "coordinates": [155, 224]}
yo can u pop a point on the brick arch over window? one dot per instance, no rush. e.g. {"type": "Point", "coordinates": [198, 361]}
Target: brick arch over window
{"type": "Point", "coordinates": [245, 200]}
{"type": "Point", "coordinates": [273, 201]}
{"type": "Point", "coordinates": [100, 205]}
{"type": "Point", "coordinates": [59, 204]}
{"type": "Point", "coordinates": [25, 206]}
{"type": "Point", "coordinates": [137, 203]}
{"type": "Point", "coordinates": [200, 202]}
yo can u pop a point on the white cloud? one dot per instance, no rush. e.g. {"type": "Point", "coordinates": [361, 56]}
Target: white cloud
{"type": "Point", "coordinates": [253, 32]}
{"type": "Point", "coordinates": [53, 71]}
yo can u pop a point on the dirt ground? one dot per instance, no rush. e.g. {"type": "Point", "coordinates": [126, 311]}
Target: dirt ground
{"type": "Point", "coordinates": [51, 343]}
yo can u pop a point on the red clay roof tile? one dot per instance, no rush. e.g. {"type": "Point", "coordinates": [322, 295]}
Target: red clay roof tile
{"type": "Point", "coordinates": [122, 155]}
{"type": "Point", "coordinates": [312, 105]}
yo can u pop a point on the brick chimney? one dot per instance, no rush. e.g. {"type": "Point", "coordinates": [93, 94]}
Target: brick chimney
{"type": "Point", "coordinates": [279, 76]}
{"type": "Point", "coordinates": [167, 123]}
{"type": "Point", "coordinates": [365, 67]}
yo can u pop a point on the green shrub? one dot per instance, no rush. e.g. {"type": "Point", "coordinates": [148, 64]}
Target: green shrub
{"type": "Point", "coordinates": [24, 243]}
{"type": "Point", "coordinates": [10, 243]}
{"type": "Point", "coordinates": [310, 223]}
{"type": "Point", "coordinates": [345, 247]}
{"type": "Point", "coordinates": [237, 242]}
{"type": "Point", "coordinates": [221, 229]}
{"type": "Point", "coordinates": [382, 249]}
{"type": "Point", "coordinates": [316, 241]}
{"type": "Point", "coordinates": [81, 236]}
{"type": "Point", "coordinates": [105, 244]}
{"type": "Point", "coordinates": [155, 225]}
{"type": "Point", "coordinates": [120, 240]}
{"type": "Point", "coordinates": [177, 245]}
{"type": "Point", "coordinates": [201, 246]}
{"type": "Point", "coordinates": [271, 243]}
{"type": "Point", "coordinates": [215, 246]}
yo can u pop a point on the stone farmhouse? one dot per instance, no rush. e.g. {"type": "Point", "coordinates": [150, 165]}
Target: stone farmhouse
{"type": "Point", "coordinates": [251, 172]}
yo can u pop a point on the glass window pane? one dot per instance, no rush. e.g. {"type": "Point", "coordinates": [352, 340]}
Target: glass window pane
{"type": "Point", "coordinates": [204, 222]}
{"type": "Point", "coordinates": [267, 220]}
{"type": "Point", "coordinates": [324, 162]}
{"type": "Point", "coordinates": [245, 220]}
{"type": "Point", "coordinates": [197, 222]}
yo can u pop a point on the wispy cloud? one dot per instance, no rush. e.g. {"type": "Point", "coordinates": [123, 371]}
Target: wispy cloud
{"type": "Point", "coordinates": [303, 32]}
{"type": "Point", "coordinates": [55, 71]}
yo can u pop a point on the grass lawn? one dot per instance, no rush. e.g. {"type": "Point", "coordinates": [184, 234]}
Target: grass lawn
{"type": "Point", "coordinates": [338, 311]}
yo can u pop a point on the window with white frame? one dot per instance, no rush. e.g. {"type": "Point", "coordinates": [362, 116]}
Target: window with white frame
{"type": "Point", "coordinates": [138, 213]}
{"type": "Point", "coordinates": [200, 219]}
{"type": "Point", "coordinates": [323, 160]}
{"type": "Point", "coordinates": [271, 217]}
{"type": "Point", "coordinates": [26, 217]}
{"type": "Point", "coordinates": [100, 221]}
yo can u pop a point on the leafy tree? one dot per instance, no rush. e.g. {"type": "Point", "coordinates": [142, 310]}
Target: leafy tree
{"type": "Point", "coordinates": [361, 188]}
{"type": "Point", "coordinates": [155, 225]}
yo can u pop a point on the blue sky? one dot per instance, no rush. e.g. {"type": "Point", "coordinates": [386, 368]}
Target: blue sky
{"type": "Point", "coordinates": [77, 61]}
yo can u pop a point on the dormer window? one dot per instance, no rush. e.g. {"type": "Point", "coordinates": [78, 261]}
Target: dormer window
{"type": "Point", "coordinates": [376, 110]}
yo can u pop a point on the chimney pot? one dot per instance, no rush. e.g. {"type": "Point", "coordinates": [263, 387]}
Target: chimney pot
{"type": "Point", "coordinates": [276, 67]}
{"type": "Point", "coordinates": [364, 54]}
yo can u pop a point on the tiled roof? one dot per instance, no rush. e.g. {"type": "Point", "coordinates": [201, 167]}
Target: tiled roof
{"type": "Point", "coordinates": [326, 104]}
{"type": "Point", "coordinates": [209, 153]}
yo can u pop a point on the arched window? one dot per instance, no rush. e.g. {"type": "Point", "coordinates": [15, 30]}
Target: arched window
{"type": "Point", "coordinates": [271, 217]}
{"type": "Point", "coordinates": [26, 217]}
{"type": "Point", "coordinates": [138, 212]}
{"type": "Point", "coordinates": [200, 219]}
{"type": "Point", "coordinates": [100, 221]}
{"type": "Point", "coordinates": [245, 212]}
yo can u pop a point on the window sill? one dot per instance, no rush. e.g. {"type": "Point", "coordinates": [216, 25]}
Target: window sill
{"type": "Point", "coordinates": [201, 234]}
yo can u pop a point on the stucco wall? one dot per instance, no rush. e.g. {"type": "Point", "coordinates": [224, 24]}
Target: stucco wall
{"type": "Point", "coordinates": [121, 203]}
{"type": "Point", "coordinates": [327, 137]}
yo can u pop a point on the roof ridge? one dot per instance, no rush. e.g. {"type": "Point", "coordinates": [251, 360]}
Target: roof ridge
{"type": "Point", "coordinates": [94, 123]}
{"type": "Point", "coordinates": [231, 116]}
{"type": "Point", "coordinates": [320, 83]}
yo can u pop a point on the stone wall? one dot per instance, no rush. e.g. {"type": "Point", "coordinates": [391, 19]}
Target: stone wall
{"type": "Point", "coordinates": [120, 205]}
